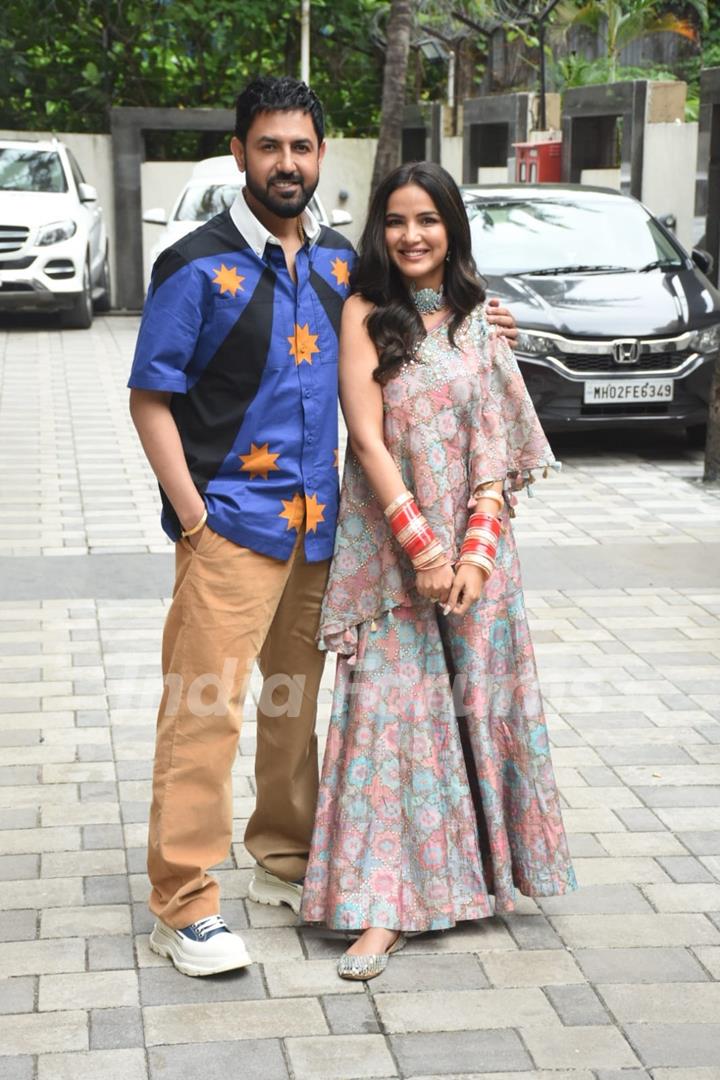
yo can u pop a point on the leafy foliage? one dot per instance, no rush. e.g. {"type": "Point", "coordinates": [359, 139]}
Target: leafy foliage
{"type": "Point", "coordinates": [64, 63]}
{"type": "Point", "coordinates": [624, 21]}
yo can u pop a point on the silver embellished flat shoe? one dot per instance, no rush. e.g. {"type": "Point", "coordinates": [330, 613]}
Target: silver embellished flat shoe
{"type": "Point", "coordinates": [370, 966]}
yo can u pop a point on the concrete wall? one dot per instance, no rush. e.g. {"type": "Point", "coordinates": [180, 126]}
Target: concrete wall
{"type": "Point", "coordinates": [497, 174]}
{"type": "Point", "coordinates": [452, 156]}
{"type": "Point", "coordinates": [348, 167]}
{"type": "Point", "coordinates": [671, 190]}
{"type": "Point", "coordinates": [601, 178]}
{"type": "Point", "coordinates": [94, 156]}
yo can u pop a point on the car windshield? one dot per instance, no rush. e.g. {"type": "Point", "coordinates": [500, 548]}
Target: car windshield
{"type": "Point", "coordinates": [31, 170]}
{"type": "Point", "coordinates": [516, 235]}
{"type": "Point", "coordinates": [202, 203]}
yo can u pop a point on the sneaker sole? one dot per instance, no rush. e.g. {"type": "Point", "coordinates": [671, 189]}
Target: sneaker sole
{"type": "Point", "coordinates": [273, 895]}
{"type": "Point", "coordinates": [194, 969]}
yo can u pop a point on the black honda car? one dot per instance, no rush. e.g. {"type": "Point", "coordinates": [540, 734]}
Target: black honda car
{"type": "Point", "coordinates": [618, 323]}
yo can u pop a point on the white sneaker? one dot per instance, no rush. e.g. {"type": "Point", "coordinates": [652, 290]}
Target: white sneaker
{"type": "Point", "coordinates": [265, 888]}
{"type": "Point", "coordinates": [206, 947]}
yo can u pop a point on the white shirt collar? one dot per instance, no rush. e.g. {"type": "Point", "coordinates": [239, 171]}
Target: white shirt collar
{"type": "Point", "coordinates": [255, 232]}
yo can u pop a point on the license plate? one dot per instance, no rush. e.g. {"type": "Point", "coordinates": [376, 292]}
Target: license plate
{"type": "Point", "coordinates": [620, 391]}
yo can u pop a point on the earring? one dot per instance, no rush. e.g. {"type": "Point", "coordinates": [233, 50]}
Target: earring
{"type": "Point", "coordinates": [447, 255]}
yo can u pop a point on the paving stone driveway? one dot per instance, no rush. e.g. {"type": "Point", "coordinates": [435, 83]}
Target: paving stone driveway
{"type": "Point", "coordinates": [620, 980]}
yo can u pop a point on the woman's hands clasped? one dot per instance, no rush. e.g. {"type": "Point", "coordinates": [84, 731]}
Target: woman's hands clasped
{"type": "Point", "coordinates": [455, 590]}
{"type": "Point", "coordinates": [435, 584]}
{"type": "Point", "coordinates": [467, 587]}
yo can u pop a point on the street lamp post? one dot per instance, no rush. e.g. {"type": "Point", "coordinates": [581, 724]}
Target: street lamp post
{"type": "Point", "coordinates": [305, 41]}
{"type": "Point", "coordinates": [541, 20]}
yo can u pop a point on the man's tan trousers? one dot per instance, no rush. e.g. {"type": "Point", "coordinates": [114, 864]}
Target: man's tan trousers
{"type": "Point", "coordinates": [231, 607]}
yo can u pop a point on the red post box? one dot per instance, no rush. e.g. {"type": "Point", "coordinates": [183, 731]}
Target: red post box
{"type": "Point", "coordinates": [538, 162]}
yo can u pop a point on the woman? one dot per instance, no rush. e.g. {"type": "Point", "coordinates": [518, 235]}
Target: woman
{"type": "Point", "coordinates": [437, 788]}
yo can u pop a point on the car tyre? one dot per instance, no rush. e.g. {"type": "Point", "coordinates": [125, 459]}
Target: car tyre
{"type": "Point", "coordinates": [103, 302]}
{"type": "Point", "coordinates": [696, 435]}
{"type": "Point", "coordinates": [80, 315]}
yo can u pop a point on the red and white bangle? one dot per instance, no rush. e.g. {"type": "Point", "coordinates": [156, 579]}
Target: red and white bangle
{"type": "Point", "coordinates": [413, 533]}
{"type": "Point", "coordinates": [481, 540]}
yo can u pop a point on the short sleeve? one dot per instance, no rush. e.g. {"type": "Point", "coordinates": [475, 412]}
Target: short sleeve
{"type": "Point", "coordinates": [170, 327]}
{"type": "Point", "coordinates": [507, 441]}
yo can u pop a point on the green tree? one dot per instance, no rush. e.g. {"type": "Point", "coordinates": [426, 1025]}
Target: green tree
{"type": "Point", "coordinates": [64, 63]}
{"type": "Point", "coordinates": [624, 21]}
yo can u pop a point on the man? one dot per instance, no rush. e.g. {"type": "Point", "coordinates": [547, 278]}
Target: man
{"type": "Point", "coordinates": [234, 396]}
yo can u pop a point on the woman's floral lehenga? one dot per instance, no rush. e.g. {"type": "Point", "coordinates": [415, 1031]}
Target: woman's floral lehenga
{"type": "Point", "coordinates": [438, 792]}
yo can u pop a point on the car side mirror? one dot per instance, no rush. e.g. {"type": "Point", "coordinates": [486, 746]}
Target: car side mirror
{"type": "Point", "coordinates": [340, 217]}
{"type": "Point", "coordinates": [703, 260]}
{"type": "Point", "coordinates": [87, 193]}
{"type": "Point", "coordinates": [156, 216]}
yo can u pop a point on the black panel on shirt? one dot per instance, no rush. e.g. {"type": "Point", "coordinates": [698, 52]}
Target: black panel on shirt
{"type": "Point", "coordinates": [167, 263]}
{"type": "Point", "coordinates": [329, 238]}
{"type": "Point", "coordinates": [216, 237]}
{"type": "Point", "coordinates": [210, 414]}
{"type": "Point", "coordinates": [331, 301]}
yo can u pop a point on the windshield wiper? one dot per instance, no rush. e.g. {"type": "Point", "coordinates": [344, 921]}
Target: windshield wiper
{"type": "Point", "coordinates": [581, 269]}
{"type": "Point", "coordinates": [660, 264]}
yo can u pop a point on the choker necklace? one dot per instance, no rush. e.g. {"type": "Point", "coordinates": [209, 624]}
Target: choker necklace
{"type": "Point", "coordinates": [428, 301]}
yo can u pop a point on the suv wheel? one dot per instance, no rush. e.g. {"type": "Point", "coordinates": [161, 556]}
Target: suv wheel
{"type": "Point", "coordinates": [80, 315]}
{"type": "Point", "coordinates": [103, 302]}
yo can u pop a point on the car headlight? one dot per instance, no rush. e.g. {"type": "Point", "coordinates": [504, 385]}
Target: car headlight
{"type": "Point", "coordinates": [55, 232]}
{"type": "Point", "coordinates": [707, 340]}
{"type": "Point", "coordinates": [534, 344]}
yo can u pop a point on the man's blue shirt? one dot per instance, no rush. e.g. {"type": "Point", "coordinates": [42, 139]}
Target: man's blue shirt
{"type": "Point", "coordinates": [250, 357]}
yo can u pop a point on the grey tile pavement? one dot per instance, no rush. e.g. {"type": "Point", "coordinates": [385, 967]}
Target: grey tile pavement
{"type": "Point", "coordinates": [616, 982]}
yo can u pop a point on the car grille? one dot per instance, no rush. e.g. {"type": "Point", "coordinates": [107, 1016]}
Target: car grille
{"type": "Point", "coordinates": [12, 237]}
{"type": "Point", "coordinates": [668, 361]}
{"type": "Point", "coordinates": [17, 264]}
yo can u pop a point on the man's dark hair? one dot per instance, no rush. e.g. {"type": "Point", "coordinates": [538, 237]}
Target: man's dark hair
{"type": "Point", "coordinates": [271, 94]}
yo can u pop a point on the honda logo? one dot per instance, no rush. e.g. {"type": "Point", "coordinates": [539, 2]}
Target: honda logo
{"type": "Point", "coordinates": [626, 351]}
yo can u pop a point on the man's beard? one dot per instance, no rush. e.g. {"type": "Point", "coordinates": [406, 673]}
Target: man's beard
{"type": "Point", "coordinates": [271, 197]}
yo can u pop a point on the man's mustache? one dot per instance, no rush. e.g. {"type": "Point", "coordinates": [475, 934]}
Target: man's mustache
{"type": "Point", "coordinates": [286, 178]}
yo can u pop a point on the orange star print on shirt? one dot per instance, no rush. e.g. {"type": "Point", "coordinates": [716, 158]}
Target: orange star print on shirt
{"type": "Point", "coordinates": [259, 462]}
{"type": "Point", "coordinates": [294, 511]}
{"type": "Point", "coordinates": [228, 279]}
{"type": "Point", "coordinates": [314, 511]}
{"type": "Point", "coordinates": [303, 344]}
{"type": "Point", "coordinates": [341, 271]}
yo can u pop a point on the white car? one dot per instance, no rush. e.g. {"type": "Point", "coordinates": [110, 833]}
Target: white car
{"type": "Point", "coordinates": [211, 189]}
{"type": "Point", "coordinates": [53, 240]}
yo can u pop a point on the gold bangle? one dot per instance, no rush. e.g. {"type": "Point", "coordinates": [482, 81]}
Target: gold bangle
{"type": "Point", "coordinates": [488, 493]}
{"type": "Point", "coordinates": [487, 565]}
{"type": "Point", "coordinates": [440, 560]}
{"type": "Point", "coordinates": [196, 528]}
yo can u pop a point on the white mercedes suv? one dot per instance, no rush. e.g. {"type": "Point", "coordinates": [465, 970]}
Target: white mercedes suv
{"type": "Point", "coordinates": [53, 240]}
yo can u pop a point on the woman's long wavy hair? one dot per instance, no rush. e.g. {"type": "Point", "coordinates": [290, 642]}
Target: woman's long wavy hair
{"type": "Point", "coordinates": [394, 325]}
